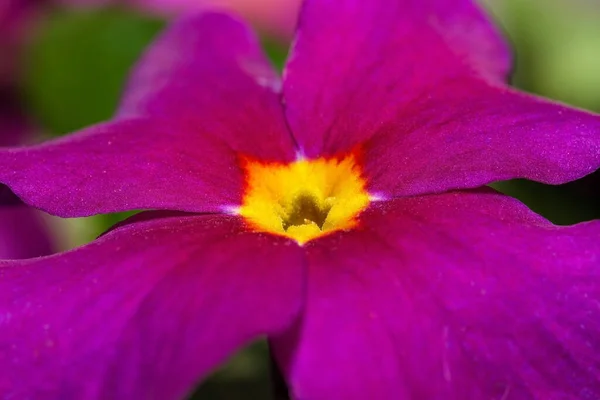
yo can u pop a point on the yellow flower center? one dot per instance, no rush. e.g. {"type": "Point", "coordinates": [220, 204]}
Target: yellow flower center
{"type": "Point", "coordinates": [304, 199]}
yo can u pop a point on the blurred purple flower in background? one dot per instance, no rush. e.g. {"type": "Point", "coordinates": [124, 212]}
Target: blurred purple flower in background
{"type": "Point", "coordinates": [437, 288]}
{"type": "Point", "coordinates": [276, 18]}
{"type": "Point", "coordinates": [23, 233]}
{"type": "Point", "coordinates": [16, 18]}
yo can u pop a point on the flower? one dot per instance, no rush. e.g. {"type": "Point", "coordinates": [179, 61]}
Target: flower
{"type": "Point", "coordinates": [341, 212]}
{"type": "Point", "coordinates": [23, 233]}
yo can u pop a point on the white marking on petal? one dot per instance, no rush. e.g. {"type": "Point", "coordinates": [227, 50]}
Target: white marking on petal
{"type": "Point", "coordinates": [231, 210]}
{"type": "Point", "coordinates": [377, 197]}
{"type": "Point", "coordinates": [262, 74]}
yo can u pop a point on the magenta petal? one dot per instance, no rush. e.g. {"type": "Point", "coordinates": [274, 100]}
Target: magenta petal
{"type": "Point", "coordinates": [356, 64]}
{"type": "Point", "coordinates": [143, 312]}
{"type": "Point", "coordinates": [125, 165]}
{"type": "Point", "coordinates": [209, 72]}
{"type": "Point", "coordinates": [465, 295]}
{"type": "Point", "coordinates": [468, 133]}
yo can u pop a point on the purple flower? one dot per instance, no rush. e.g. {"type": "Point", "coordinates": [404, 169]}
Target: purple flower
{"type": "Point", "coordinates": [23, 232]}
{"type": "Point", "coordinates": [16, 17]}
{"type": "Point", "coordinates": [275, 17]}
{"type": "Point", "coordinates": [340, 212]}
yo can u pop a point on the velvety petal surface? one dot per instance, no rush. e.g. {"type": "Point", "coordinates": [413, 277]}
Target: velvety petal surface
{"type": "Point", "coordinates": [468, 133]}
{"type": "Point", "coordinates": [145, 311]}
{"type": "Point", "coordinates": [465, 295]}
{"type": "Point", "coordinates": [356, 64]}
{"type": "Point", "coordinates": [125, 165]}
{"type": "Point", "coordinates": [201, 97]}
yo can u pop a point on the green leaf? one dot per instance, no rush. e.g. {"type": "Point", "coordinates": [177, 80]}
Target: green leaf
{"type": "Point", "coordinates": [77, 64]}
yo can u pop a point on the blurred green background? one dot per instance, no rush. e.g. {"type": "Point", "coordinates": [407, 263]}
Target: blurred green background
{"type": "Point", "coordinates": [76, 62]}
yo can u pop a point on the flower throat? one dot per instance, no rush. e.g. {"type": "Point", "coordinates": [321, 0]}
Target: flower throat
{"type": "Point", "coordinates": [304, 199]}
{"type": "Point", "coordinates": [306, 210]}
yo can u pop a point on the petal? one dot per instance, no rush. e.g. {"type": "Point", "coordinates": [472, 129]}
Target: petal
{"type": "Point", "coordinates": [125, 165]}
{"type": "Point", "coordinates": [468, 133]}
{"type": "Point", "coordinates": [23, 233]}
{"type": "Point", "coordinates": [198, 100]}
{"type": "Point", "coordinates": [465, 295]}
{"type": "Point", "coordinates": [356, 63]}
{"type": "Point", "coordinates": [209, 71]}
{"type": "Point", "coordinates": [143, 312]}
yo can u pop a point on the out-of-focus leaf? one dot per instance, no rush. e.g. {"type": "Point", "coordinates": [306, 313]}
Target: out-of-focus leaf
{"type": "Point", "coordinates": [276, 51]}
{"type": "Point", "coordinates": [78, 62]}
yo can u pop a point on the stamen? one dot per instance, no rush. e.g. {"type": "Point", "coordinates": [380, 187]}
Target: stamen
{"type": "Point", "coordinates": [306, 210]}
